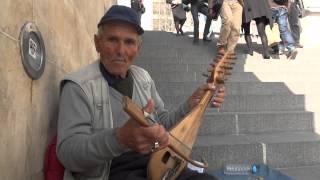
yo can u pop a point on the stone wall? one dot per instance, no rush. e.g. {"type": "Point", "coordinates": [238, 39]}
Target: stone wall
{"type": "Point", "coordinates": [28, 108]}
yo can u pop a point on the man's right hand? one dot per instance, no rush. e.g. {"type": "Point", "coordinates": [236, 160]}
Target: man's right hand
{"type": "Point", "coordinates": [142, 139]}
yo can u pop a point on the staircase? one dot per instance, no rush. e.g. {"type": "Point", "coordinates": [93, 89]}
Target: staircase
{"type": "Point", "coordinates": [261, 121]}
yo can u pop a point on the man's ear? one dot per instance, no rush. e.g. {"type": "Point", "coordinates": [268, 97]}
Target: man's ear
{"type": "Point", "coordinates": [139, 45]}
{"type": "Point", "coordinates": [97, 43]}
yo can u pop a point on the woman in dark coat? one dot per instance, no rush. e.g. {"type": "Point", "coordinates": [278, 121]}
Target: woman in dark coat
{"type": "Point", "coordinates": [259, 11]}
{"type": "Point", "coordinates": [179, 15]}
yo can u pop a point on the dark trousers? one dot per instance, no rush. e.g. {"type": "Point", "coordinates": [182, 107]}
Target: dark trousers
{"type": "Point", "coordinates": [203, 9]}
{"type": "Point", "coordinates": [294, 22]}
{"type": "Point", "coordinates": [133, 166]}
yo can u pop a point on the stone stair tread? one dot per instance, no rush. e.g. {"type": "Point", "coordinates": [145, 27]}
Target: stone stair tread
{"type": "Point", "coordinates": [237, 88]}
{"type": "Point", "coordinates": [212, 111]}
{"type": "Point", "coordinates": [237, 77]}
{"type": "Point", "coordinates": [303, 172]}
{"type": "Point", "coordinates": [249, 102]}
{"type": "Point", "coordinates": [279, 137]}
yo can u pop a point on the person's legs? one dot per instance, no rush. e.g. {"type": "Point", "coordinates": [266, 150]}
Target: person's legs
{"type": "Point", "coordinates": [247, 37]}
{"type": "Point", "coordinates": [194, 12]}
{"type": "Point", "coordinates": [294, 22]}
{"type": "Point", "coordinates": [181, 25]}
{"type": "Point", "coordinates": [261, 26]}
{"type": "Point", "coordinates": [285, 33]}
{"type": "Point", "coordinates": [236, 21]}
{"type": "Point", "coordinates": [279, 48]}
{"type": "Point", "coordinates": [226, 15]}
{"type": "Point", "coordinates": [203, 9]}
{"type": "Point", "coordinates": [176, 25]}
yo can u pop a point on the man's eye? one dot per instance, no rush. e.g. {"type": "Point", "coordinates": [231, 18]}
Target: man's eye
{"type": "Point", "coordinates": [130, 42]}
{"type": "Point", "coordinates": [112, 39]}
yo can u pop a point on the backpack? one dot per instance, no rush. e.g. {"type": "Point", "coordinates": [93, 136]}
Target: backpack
{"type": "Point", "coordinates": [53, 169]}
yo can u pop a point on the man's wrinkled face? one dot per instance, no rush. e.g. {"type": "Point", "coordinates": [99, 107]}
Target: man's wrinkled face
{"type": "Point", "coordinates": [118, 44]}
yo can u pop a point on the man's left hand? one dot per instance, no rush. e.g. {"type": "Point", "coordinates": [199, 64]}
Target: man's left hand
{"type": "Point", "coordinates": [216, 101]}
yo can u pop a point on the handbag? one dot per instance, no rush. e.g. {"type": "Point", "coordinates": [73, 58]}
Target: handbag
{"type": "Point", "coordinates": [273, 34]}
{"type": "Point", "coordinates": [216, 8]}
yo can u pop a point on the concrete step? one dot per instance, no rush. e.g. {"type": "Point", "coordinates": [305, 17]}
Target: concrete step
{"type": "Point", "coordinates": [177, 45]}
{"type": "Point", "coordinates": [251, 103]}
{"type": "Point", "coordinates": [176, 52]}
{"type": "Point", "coordinates": [231, 88]}
{"type": "Point", "coordinates": [170, 57]}
{"type": "Point", "coordinates": [219, 123]}
{"type": "Point", "coordinates": [170, 64]}
{"type": "Point", "coordinates": [287, 149]}
{"type": "Point", "coordinates": [238, 77]}
{"type": "Point", "coordinates": [303, 172]}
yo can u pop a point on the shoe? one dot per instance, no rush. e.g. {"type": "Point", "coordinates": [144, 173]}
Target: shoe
{"type": "Point", "coordinates": [221, 50]}
{"type": "Point", "coordinates": [266, 54]}
{"type": "Point", "coordinates": [292, 54]}
{"type": "Point", "coordinates": [298, 45]}
{"type": "Point", "coordinates": [181, 32]}
{"type": "Point", "coordinates": [274, 49]}
{"type": "Point", "coordinates": [206, 39]}
{"type": "Point", "coordinates": [281, 52]}
{"type": "Point", "coordinates": [250, 52]}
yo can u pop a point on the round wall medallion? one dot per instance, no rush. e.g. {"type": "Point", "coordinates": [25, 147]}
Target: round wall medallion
{"type": "Point", "coordinates": [32, 50]}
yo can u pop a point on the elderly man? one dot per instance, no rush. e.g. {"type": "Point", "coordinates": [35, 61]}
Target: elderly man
{"type": "Point", "coordinates": [96, 138]}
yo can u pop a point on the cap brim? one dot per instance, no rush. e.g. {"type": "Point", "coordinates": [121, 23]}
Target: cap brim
{"type": "Point", "coordinates": [138, 27]}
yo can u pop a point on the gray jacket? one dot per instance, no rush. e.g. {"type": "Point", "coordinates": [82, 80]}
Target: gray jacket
{"type": "Point", "coordinates": [88, 113]}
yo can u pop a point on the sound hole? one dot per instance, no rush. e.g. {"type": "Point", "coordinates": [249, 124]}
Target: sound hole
{"type": "Point", "coordinates": [166, 157]}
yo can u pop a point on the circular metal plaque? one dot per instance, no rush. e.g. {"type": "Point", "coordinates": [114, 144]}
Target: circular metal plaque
{"type": "Point", "coordinates": [32, 50]}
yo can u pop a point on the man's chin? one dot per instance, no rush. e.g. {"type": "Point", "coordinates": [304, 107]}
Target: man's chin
{"type": "Point", "coordinates": [119, 73]}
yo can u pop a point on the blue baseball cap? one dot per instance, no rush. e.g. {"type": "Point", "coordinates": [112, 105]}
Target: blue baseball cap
{"type": "Point", "coordinates": [122, 13]}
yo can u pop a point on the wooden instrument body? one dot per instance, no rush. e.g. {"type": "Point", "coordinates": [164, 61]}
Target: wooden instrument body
{"type": "Point", "coordinates": [166, 163]}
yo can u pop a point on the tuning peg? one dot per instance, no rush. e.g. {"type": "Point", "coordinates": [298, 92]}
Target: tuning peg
{"type": "Point", "coordinates": [206, 75]}
{"type": "Point", "coordinates": [229, 60]}
{"type": "Point", "coordinates": [219, 56]}
{"type": "Point", "coordinates": [232, 56]}
{"type": "Point", "coordinates": [228, 67]}
{"type": "Point", "coordinates": [219, 81]}
{"type": "Point", "coordinates": [210, 69]}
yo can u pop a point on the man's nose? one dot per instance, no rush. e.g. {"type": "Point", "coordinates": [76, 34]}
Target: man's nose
{"type": "Point", "coordinates": [120, 47]}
